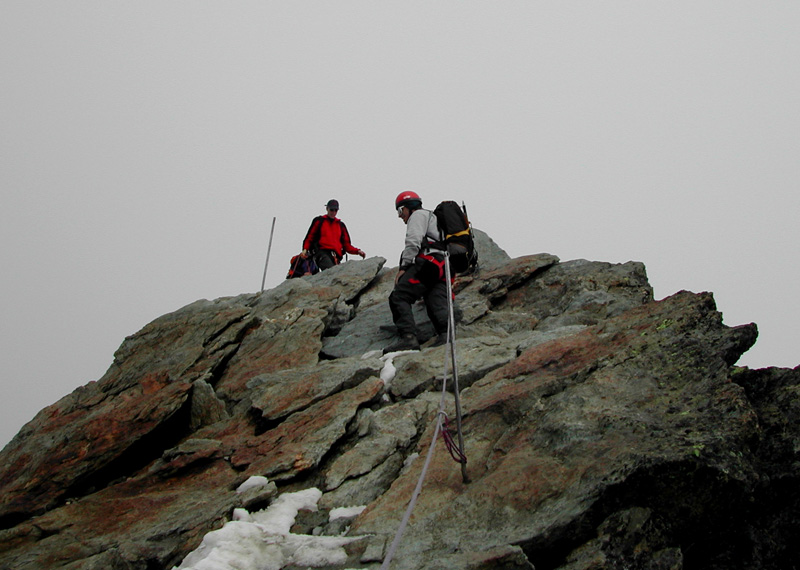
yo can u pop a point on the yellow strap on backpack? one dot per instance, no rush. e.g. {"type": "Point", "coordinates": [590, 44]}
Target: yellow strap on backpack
{"type": "Point", "coordinates": [461, 233]}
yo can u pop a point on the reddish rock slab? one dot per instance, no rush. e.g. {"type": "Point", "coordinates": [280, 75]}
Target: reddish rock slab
{"type": "Point", "coordinates": [142, 522]}
{"type": "Point", "coordinates": [68, 447]}
{"type": "Point", "coordinates": [304, 438]}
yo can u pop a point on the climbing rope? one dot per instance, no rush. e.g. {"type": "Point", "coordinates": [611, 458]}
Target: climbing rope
{"type": "Point", "coordinates": [452, 447]}
{"type": "Point", "coordinates": [451, 343]}
{"type": "Point", "coordinates": [456, 449]}
{"type": "Point", "coordinates": [404, 523]}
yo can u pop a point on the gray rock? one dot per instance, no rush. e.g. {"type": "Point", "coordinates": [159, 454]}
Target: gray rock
{"type": "Point", "coordinates": [391, 429]}
{"type": "Point", "coordinates": [601, 428]}
{"type": "Point", "coordinates": [256, 498]}
{"type": "Point", "coordinates": [490, 255]}
{"type": "Point", "coordinates": [206, 408]}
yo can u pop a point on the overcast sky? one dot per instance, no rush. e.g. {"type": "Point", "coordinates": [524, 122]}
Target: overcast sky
{"type": "Point", "coordinates": [145, 148]}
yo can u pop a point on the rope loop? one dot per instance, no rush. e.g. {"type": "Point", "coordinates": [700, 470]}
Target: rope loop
{"type": "Point", "coordinates": [450, 443]}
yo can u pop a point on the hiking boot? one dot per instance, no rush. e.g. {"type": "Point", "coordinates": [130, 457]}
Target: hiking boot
{"type": "Point", "coordinates": [438, 340]}
{"type": "Point", "coordinates": [407, 341]}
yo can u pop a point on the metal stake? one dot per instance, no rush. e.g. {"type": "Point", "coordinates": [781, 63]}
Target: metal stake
{"type": "Point", "coordinates": [451, 344]}
{"type": "Point", "coordinates": [269, 248]}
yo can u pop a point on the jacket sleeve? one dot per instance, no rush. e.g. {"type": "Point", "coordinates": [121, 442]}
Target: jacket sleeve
{"type": "Point", "coordinates": [416, 230]}
{"type": "Point", "coordinates": [348, 247]}
{"type": "Point", "coordinates": [312, 235]}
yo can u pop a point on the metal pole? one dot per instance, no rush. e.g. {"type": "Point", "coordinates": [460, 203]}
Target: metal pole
{"type": "Point", "coordinates": [269, 248]}
{"type": "Point", "coordinates": [451, 344]}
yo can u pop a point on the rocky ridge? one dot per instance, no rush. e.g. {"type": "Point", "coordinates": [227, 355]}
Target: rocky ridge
{"type": "Point", "coordinates": [602, 428]}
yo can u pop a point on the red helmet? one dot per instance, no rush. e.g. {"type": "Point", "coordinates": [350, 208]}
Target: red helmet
{"type": "Point", "coordinates": [404, 197]}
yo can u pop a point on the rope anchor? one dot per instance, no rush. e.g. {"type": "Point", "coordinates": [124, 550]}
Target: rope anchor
{"type": "Point", "coordinates": [452, 447]}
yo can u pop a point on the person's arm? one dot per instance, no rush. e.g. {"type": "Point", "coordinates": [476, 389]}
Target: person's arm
{"type": "Point", "coordinates": [416, 229]}
{"type": "Point", "coordinates": [312, 235]}
{"type": "Point", "coordinates": [349, 247]}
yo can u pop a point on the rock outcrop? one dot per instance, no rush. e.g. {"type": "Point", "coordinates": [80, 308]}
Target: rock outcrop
{"type": "Point", "coordinates": [602, 429]}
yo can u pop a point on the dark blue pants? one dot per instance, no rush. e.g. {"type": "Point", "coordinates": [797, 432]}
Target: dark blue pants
{"type": "Point", "coordinates": [326, 259]}
{"type": "Point", "coordinates": [420, 281]}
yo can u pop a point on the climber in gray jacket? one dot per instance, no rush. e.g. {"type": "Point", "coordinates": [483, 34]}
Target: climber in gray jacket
{"type": "Point", "coordinates": [421, 274]}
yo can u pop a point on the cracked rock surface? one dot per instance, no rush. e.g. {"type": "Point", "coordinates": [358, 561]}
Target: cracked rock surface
{"type": "Point", "coordinates": [602, 428]}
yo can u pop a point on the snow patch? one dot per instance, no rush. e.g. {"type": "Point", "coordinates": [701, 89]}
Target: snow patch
{"type": "Point", "coordinates": [241, 515]}
{"type": "Point", "coordinates": [279, 517]}
{"type": "Point", "coordinates": [345, 512]}
{"type": "Point", "coordinates": [388, 372]}
{"type": "Point", "coordinates": [263, 541]}
{"type": "Point", "coordinates": [393, 354]}
{"type": "Point", "coordinates": [252, 483]}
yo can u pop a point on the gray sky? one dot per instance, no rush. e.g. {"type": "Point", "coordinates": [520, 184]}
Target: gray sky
{"type": "Point", "coordinates": [146, 146]}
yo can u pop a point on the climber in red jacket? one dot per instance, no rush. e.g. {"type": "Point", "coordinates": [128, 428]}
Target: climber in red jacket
{"type": "Point", "coordinates": [327, 239]}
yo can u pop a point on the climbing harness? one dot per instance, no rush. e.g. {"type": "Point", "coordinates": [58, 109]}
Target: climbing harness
{"type": "Point", "coordinates": [455, 448]}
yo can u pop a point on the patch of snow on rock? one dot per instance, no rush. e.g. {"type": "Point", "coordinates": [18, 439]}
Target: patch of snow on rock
{"type": "Point", "coordinates": [263, 541]}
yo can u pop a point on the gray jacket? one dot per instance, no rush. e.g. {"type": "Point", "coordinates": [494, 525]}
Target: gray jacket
{"type": "Point", "coordinates": [421, 230]}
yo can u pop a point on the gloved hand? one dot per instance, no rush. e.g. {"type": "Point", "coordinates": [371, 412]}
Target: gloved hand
{"type": "Point", "coordinates": [361, 253]}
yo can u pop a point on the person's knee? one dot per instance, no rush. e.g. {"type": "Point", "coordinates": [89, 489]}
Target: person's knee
{"type": "Point", "coordinates": [440, 322]}
{"type": "Point", "coordinates": [398, 302]}
{"type": "Point", "coordinates": [402, 294]}
{"type": "Point", "coordinates": [439, 314]}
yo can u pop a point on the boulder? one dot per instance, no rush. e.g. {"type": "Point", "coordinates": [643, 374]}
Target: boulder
{"type": "Point", "coordinates": [601, 429]}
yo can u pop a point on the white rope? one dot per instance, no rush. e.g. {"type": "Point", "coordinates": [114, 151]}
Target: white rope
{"type": "Point", "coordinates": [418, 489]}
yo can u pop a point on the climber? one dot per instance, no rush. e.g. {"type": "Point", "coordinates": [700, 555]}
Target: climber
{"type": "Point", "coordinates": [327, 239]}
{"type": "Point", "coordinates": [421, 275]}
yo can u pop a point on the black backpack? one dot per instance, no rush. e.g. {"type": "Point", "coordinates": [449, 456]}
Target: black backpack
{"type": "Point", "coordinates": [456, 236]}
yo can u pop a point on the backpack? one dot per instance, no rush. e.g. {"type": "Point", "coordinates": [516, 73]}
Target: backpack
{"type": "Point", "coordinates": [298, 267]}
{"type": "Point", "coordinates": [457, 237]}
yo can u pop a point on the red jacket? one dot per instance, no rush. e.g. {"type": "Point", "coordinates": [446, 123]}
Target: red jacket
{"type": "Point", "coordinates": [329, 233]}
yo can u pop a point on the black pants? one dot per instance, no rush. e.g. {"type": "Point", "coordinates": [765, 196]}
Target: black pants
{"type": "Point", "coordinates": [421, 280]}
{"type": "Point", "coordinates": [326, 259]}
